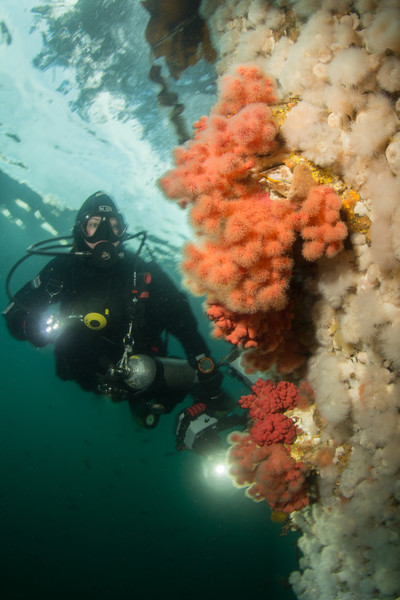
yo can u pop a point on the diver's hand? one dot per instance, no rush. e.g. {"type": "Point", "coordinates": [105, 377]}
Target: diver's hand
{"type": "Point", "coordinates": [209, 390]}
{"type": "Point", "coordinates": [185, 418]}
{"type": "Point", "coordinates": [213, 398]}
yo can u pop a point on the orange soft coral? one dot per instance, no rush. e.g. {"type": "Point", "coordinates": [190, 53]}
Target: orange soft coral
{"type": "Point", "coordinates": [244, 255]}
{"type": "Point", "coordinates": [256, 236]}
{"type": "Point", "coordinates": [228, 143]}
{"type": "Point", "coordinates": [266, 336]}
{"type": "Point", "coordinates": [247, 85]}
{"type": "Point", "coordinates": [319, 221]}
{"type": "Point", "coordinates": [260, 329]}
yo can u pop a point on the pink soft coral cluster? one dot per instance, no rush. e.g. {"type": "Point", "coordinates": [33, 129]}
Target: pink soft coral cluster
{"type": "Point", "coordinates": [244, 259]}
{"type": "Point", "coordinates": [260, 458]}
{"type": "Point", "coordinates": [270, 473]}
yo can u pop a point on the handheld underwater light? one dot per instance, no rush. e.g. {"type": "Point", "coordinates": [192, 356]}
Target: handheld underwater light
{"type": "Point", "coordinates": [51, 325]}
{"type": "Point", "coordinates": [202, 436]}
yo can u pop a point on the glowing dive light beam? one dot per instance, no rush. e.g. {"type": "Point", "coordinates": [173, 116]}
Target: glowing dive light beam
{"type": "Point", "coordinates": [220, 470]}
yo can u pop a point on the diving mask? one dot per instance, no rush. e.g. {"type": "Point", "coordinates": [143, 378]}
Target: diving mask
{"type": "Point", "coordinates": [96, 228]}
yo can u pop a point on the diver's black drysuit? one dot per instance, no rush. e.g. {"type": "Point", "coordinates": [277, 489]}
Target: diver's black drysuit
{"type": "Point", "coordinates": [148, 299]}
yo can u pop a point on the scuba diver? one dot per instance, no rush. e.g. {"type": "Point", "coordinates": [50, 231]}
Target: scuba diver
{"type": "Point", "coordinates": [114, 310]}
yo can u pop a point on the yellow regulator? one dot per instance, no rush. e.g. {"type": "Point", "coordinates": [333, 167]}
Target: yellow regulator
{"type": "Point", "coordinates": [96, 321]}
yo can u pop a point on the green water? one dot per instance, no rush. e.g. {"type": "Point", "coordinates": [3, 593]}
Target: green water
{"type": "Point", "coordinates": [92, 506]}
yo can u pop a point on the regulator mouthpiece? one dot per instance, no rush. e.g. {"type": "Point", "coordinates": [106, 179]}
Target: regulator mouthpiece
{"type": "Point", "coordinates": [105, 255]}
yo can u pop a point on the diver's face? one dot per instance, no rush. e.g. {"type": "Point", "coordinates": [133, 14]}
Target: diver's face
{"type": "Point", "coordinates": [92, 226]}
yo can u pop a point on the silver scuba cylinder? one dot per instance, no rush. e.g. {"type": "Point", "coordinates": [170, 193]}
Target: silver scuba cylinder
{"type": "Point", "coordinates": [178, 373]}
{"type": "Point", "coordinates": [141, 371]}
{"type": "Point", "coordinates": [144, 371]}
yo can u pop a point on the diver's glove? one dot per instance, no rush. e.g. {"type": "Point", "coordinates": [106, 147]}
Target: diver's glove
{"type": "Point", "coordinates": [192, 424]}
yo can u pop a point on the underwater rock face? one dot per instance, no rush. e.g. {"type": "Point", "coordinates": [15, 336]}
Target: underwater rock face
{"type": "Point", "coordinates": [336, 68]}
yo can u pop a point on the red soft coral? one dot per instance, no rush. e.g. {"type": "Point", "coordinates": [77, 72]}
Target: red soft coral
{"type": "Point", "coordinates": [274, 429]}
{"type": "Point", "coordinates": [260, 458]}
{"type": "Point", "coordinates": [270, 398]}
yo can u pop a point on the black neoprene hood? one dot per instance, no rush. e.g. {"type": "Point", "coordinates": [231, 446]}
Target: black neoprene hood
{"type": "Point", "coordinates": [97, 204]}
